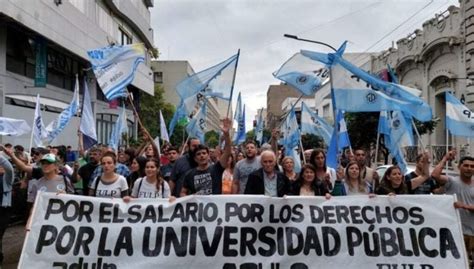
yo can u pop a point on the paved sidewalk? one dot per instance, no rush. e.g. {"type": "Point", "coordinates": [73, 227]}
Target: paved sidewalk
{"type": "Point", "coordinates": [12, 245]}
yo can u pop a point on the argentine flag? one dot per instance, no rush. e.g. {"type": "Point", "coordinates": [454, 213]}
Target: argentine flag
{"type": "Point", "coordinates": [459, 118]}
{"type": "Point", "coordinates": [313, 124]}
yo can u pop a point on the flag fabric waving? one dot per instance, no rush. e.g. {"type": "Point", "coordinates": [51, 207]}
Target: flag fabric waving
{"type": "Point", "coordinates": [239, 116]}
{"type": "Point", "coordinates": [197, 125]}
{"type": "Point", "coordinates": [238, 108]}
{"type": "Point", "coordinates": [58, 125]}
{"type": "Point", "coordinates": [459, 118]}
{"type": "Point", "coordinates": [339, 140]}
{"type": "Point", "coordinates": [87, 125]}
{"type": "Point", "coordinates": [397, 133]}
{"type": "Point", "coordinates": [39, 131]}
{"type": "Point", "coordinates": [120, 127]}
{"type": "Point", "coordinates": [13, 127]}
{"type": "Point", "coordinates": [259, 127]}
{"type": "Point", "coordinates": [115, 67]}
{"type": "Point", "coordinates": [163, 131]}
{"type": "Point", "coordinates": [303, 74]}
{"type": "Point", "coordinates": [291, 132]}
{"type": "Point", "coordinates": [216, 81]}
{"type": "Point", "coordinates": [313, 124]}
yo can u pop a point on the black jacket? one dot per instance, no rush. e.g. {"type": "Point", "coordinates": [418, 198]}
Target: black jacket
{"type": "Point", "coordinates": [256, 185]}
{"type": "Point", "coordinates": [318, 186]}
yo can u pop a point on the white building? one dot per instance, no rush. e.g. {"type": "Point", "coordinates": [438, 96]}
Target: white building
{"type": "Point", "coordinates": [62, 32]}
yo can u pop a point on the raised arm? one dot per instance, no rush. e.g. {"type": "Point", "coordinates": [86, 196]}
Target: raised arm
{"type": "Point", "coordinates": [227, 124]}
{"type": "Point", "coordinates": [19, 163]}
{"type": "Point", "coordinates": [437, 171]}
{"type": "Point", "coordinates": [420, 179]}
{"type": "Point", "coordinates": [274, 142]}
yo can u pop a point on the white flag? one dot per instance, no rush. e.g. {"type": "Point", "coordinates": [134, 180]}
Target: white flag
{"type": "Point", "coordinates": [39, 131]}
{"type": "Point", "coordinates": [163, 131]}
{"type": "Point", "coordinates": [14, 127]}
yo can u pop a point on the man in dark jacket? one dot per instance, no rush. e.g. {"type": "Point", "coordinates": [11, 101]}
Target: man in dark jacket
{"type": "Point", "coordinates": [267, 180]}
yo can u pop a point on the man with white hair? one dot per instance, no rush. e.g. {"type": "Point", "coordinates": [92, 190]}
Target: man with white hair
{"type": "Point", "coordinates": [267, 180]}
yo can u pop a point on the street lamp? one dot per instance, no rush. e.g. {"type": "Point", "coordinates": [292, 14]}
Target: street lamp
{"type": "Point", "coordinates": [308, 40]}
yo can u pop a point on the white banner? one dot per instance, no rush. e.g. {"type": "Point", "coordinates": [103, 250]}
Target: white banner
{"type": "Point", "coordinates": [237, 232]}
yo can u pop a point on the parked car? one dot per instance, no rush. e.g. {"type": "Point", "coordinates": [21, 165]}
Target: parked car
{"type": "Point", "coordinates": [410, 168]}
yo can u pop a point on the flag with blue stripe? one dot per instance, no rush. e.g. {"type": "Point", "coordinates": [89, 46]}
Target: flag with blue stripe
{"type": "Point", "coordinates": [339, 140]}
{"type": "Point", "coordinates": [163, 132]}
{"type": "Point", "coordinates": [303, 74]}
{"type": "Point", "coordinates": [216, 81]}
{"type": "Point", "coordinates": [58, 125]}
{"type": "Point", "coordinates": [240, 134]}
{"type": "Point", "coordinates": [459, 118]}
{"type": "Point", "coordinates": [356, 90]}
{"type": "Point", "coordinates": [178, 115]}
{"type": "Point", "coordinates": [87, 125]}
{"type": "Point", "coordinates": [198, 124]}
{"type": "Point", "coordinates": [291, 132]}
{"type": "Point", "coordinates": [115, 67]}
{"type": "Point", "coordinates": [120, 128]}
{"type": "Point", "coordinates": [313, 124]}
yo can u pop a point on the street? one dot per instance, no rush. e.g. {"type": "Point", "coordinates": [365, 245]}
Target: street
{"type": "Point", "coordinates": [12, 244]}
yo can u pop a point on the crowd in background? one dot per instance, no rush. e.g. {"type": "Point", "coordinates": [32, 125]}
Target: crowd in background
{"type": "Point", "coordinates": [196, 169]}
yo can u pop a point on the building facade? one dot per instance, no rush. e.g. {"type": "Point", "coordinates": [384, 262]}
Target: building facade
{"type": "Point", "coordinates": [435, 59]}
{"type": "Point", "coordinates": [168, 74]}
{"type": "Point", "coordinates": [276, 95]}
{"type": "Point", "coordinates": [65, 30]}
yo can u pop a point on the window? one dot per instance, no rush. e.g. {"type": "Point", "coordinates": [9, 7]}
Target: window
{"type": "Point", "coordinates": [124, 38]}
{"type": "Point", "coordinates": [158, 77]}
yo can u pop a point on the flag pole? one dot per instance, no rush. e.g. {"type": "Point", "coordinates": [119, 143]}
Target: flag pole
{"type": "Point", "coordinates": [377, 149]}
{"type": "Point", "coordinates": [233, 83]}
{"type": "Point", "coordinates": [418, 135]}
{"type": "Point", "coordinates": [302, 150]}
{"type": "Point", "coordinates": [447, 148]}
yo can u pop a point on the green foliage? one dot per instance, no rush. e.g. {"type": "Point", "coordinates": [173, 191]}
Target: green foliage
{"type": "Point", "coordinates": [211, 138]}
{"type": "Point", "coordinates": [362, 128]}
{"type": "Point", "coordinates": [250, 135]}
{"type": "Point", "coordinates": [426, 127]}
{"type": "Point", "coordinates": [311, 141]}
{"type": "Point", "coordinates": [150, 107]}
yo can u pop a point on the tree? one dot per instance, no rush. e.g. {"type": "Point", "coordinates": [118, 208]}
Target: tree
{"type": "Point", "coordinates": [250, 135]}
{"type": "Point", "coordinates": [311, 141]}
{"type": "Point", "coordinates": [211, 138]}
{"type": "Point", "coordinates": [150, 107]}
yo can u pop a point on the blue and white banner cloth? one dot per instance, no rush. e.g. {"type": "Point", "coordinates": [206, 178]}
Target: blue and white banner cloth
{"type": "Point", "coordinates": [87, 126]}
{"type": "Point", "coordinates": [303, 74]}
{"type": "Point", "coordinates": [13, 127]}
{"type": "Point", "coordinates": [313, 124]}
{"type": "Point", "coordinates": [459, 118]}
{"type": "Point", "coordinates": [121, 127]}
{"type": "Point", "coordinates": [240, 135]}
{"type": "Point", "coordinates": [115, 67]}
{"type": "Point", "coordinates": [339, 140]}
{"type": "Point", "coordinates": [216, 81]}
{"type": "Point", "coordinates": [58, 125]}
{"type": "Point", "coordinates": [291, 132]}
{"type": "Point", "coordinates": [238, 108]}
{"type": "Point", "coordinates": [355, 90]}
{"type": "Point", "coordinates": [197, 126]}
{"type": "Point", "coordinates": [39, 131]}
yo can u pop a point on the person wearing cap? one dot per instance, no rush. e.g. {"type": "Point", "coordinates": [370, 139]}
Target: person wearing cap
{"type": "Point", "coordinates": [51, 181]}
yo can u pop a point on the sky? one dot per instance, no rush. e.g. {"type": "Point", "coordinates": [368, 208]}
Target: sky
{"type": "Point", "coordinates": [206, 32]}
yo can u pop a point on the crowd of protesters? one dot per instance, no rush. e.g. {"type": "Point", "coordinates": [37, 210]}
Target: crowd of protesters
{"type": "Point", "coordinates": [143, 173]}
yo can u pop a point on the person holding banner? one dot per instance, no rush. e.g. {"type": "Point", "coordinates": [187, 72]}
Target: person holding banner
{"type": "Point", "coordinates": [152, 185]}
{"type": "Point", "coordinates": [268, 180]}
{"type": "Point", "coordinates": [353, 182]}
{"type": "Point", "coordinates": [206, 179]}
{"type": "Point", "coordinates": [308, 184]}
{"type": "Point", "coordinates": [109, 184]}
{"type": "Point", "coordinates": [138, 170]}
{"type": "Point", "coordinates": [393, 183]}
{"type": "Point", "coordinates": [463, 187]}
{"type": "Point", "coordinates": [323, 172]}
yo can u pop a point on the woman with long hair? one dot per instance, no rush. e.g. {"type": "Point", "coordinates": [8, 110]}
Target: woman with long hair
{"type": "Point", "coordinates": [308, 184]}
{"type": "Point", "coordinates": [288, 166]}
{"type": "Point", "coordinates": [228, 176]}
{"type": "Point", "coordinates": [393, 182]}
{"type": "Point", "coordinates": [137, 169]}
{"type": "Point", "coordinates": [353, 182]}
{"type": "Point", "coordinates": [109, 184]}
{"type": "Point", "coordinates": [152, 185]}
{"type": "Point", "coordinates": [323, 172]}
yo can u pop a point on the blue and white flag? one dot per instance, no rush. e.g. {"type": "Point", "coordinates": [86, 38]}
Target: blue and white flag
{"type": "Point", "coordinates": [115, 67]}
{"type": "Point", "coordinates": [87, 126]}
{"type": "Point", "coordinates": [296, 159]}
{"type": "Point", "coordinates": [121, 127]}
{"type": "Point", "coordinates": [39, 131]}
{"type": "Point", "coordinates": [178, 115]}
{"type": "Point", "coordinates": [216, 81]}
{"type": "Point", "coordinates": [197, 125]}
{"type": "Point", "coordinates": [240, 135]}
{"type": "Point", "coordinates": [163, 132]}
{"type": "Point", "coordinates": [339, 140]}
{"type": "Point", "coordinates": [303, 74]}
{"type": "Point", "coordinates": [313, 124]}
{"type": "Point", "coordinates": [238, 108]}
{"type": "Point", "coordinates": [459, 118]}
{"type": "Point", "coordinates": [13, 127]}
{"type": "Point", "coordinates": [384, 125]}
{"type": "Point", "coordinates": [58, 125]}
{"type": "Point", "coordinates": [355, 90]}
{"type": "Point", "coordinates": [259, 127]}
{"type": "Point", "coordinates": [291, 132]}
